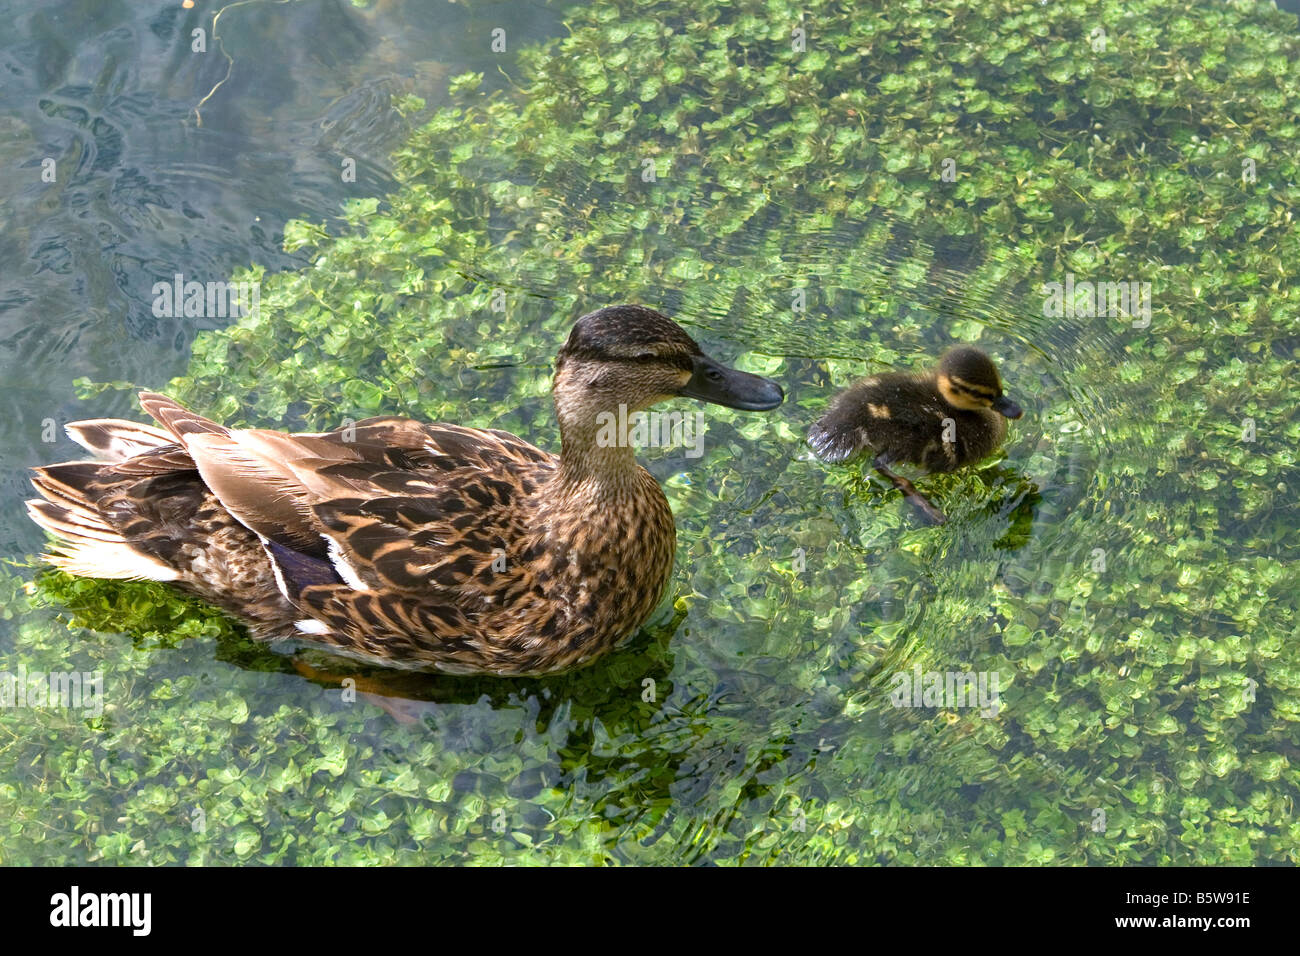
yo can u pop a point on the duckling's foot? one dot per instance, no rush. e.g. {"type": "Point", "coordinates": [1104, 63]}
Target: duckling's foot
{"type": "Point", "coordinates": [918, 500]}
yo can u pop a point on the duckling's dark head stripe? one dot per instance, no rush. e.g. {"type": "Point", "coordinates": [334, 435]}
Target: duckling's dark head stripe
{"type": "Point", "coordinates": [974, 389]}
{"type": "Point", "coordinates": [971, 371]}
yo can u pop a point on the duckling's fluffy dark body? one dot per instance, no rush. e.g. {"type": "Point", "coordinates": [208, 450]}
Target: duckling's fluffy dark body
{"type": "Point", "coordinates": [942, 420]}
{"type": "Point", "coordinates": [904, 418]}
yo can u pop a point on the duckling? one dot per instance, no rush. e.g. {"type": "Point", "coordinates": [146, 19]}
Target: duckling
{"type": "Point", "coordinates": [414, 546]}
{"type": "Point", "coordinates": [944, 419]}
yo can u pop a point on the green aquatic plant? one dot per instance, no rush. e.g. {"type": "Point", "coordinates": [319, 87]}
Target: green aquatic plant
{"type": "Point", "coordinates": [699, 158]}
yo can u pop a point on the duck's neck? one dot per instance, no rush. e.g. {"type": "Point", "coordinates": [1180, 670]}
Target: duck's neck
{"type": "Point", "coordinates": [595, 459]}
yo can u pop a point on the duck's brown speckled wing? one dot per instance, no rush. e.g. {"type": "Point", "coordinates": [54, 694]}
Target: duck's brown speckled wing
{"type": "Point", "coordinates": [433, 527]}
{"type": "Point", "coordinates": [385, 531]}
{"type": "Point", "coordinates": [426, 563]}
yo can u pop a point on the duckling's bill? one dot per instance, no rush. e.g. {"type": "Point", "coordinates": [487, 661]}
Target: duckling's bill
{"type": "Point", "coordinates": [1007, 408]}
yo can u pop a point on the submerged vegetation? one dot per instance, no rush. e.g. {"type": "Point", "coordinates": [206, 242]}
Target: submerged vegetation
{"type": "Point", "coordinates": [1127, 568]}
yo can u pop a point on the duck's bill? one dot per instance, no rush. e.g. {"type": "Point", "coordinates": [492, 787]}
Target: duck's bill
{"type": "Point", "coordinates": [1007, 408]}
{"type": "Point", "coordinates": [716, 383]}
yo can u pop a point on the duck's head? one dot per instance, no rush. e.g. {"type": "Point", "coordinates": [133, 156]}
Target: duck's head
{"type": "Point", "coordinates": [633, 356]}
{"type": "Point", "coordinates": [967, 379]}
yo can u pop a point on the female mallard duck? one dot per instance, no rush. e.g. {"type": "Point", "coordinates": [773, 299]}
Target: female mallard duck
{"type": "Point", "coordinates": [944, 419]}
{"type": "Point", "coordinates": [415, 546]}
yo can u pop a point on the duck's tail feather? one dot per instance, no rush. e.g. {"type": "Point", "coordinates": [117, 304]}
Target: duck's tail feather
{"type": "Point", "coordinates": [113, 439]}
{"type": "Point", "coordinates": [178, 419]}
{"type": "Point", "coordinates": [88, 545]}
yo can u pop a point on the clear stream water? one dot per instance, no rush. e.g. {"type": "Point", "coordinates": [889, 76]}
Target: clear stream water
{"type": "Point", "coordinates": [174, 163]}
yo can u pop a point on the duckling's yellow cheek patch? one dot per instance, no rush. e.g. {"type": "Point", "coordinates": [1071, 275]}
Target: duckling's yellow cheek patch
{"type": "Point", "coordinates": [878, 411]}
{"type": "Point", "coordinates": [950, 393]}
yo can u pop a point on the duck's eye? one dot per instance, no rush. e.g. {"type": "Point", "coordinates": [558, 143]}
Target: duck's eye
{"type": "Point", "coordinates": [644, 356]}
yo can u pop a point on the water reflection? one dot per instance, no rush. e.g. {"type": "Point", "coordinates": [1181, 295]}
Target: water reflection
{"type": "Point", "coordinates": [144, 188]}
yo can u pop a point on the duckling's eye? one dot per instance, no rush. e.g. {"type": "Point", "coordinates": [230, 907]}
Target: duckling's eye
{"type": "Point", "coordinates": [644, 356]}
